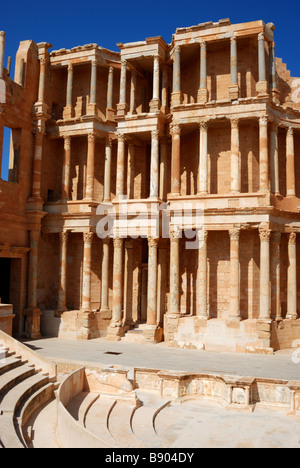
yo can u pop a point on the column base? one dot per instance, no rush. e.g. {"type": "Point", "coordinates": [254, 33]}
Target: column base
{"type": "Point", "coordinates": [105, 314]}
{"type": "Point", "coordinates": [33, 323]}
{"type": "Point", "coordinates": [122, 109]}
{"type": "Point", "coordinates": [84, 322]}
{"type": "Point", "coordinates": [262, 88]}
{"type": "Point", "coordinates": [68, 112]}
{"type": "Point", "coordinates": [153, 334]}
{"type": "Point", "coordinates": [115, 333]}
{"type": "Point", "coordinates": [154, 105]}
{"type": "Point", "coordinates": [202, 96]}
{"type": "Point", "coordinates": [176, 99]}
{"type": "Point", "coordinates": [92, 109]}
{"type": "Point", "coordinates": [110, 114]}
{"type": "Point", "coordinates": [233, 92]}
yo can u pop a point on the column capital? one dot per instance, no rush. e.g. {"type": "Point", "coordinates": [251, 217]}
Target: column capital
{"type": "Point", "coordinates": [88, 237]}
{"type": "Point", "coordinates": [235, 122]}
{"type": "Point", "coordinates": [261, 36]}
{"type": "Point", "coordinates": [153, 242]}
{"type": "Point", "coordinates": [175, 235]}
{"type": "Point", "coordinates": [203, 124]}
{"type": "Point", "coordinates": [109, 141]}
{"type": "Point", "coordinates": [233, 39]}
{"type": "Point", "coordinates": [290, 131]}
{"type": "Point", "coordinates": [67, 141]}
{"type": "Point", "coordinates": [70, 67]}
{"type": "Point", "coordinates": [263, 121]}
{"type": "Point", "coordinates": [64, 236]}
{"type": "Point", "coordinates": [293, 238]}
{"type": "Point", "coordinates": [155, 134]}
{"type": "Point", "coordinates": [264, 232]}
{"type": "Point", "coordinates": [124, 62]}
{"type": "Point", "coordinates": [94, 63]}
{"type": "Point", "coordinates": [177, 48]}
{"type": "Point", "coordinates": [111, 69]}
{"type": "Point", "coordinates": [121, 137]}
{"type": "Point", "coordinates": [202, 235]}
{"type": "Point", "coordinates": [203, 44]}
{"type": "Point", "coordinates": [92, 136]}
{"type": "Point", "coordinates": [234, 233]}
{"type": "Point", "coordinates": [175, 129]}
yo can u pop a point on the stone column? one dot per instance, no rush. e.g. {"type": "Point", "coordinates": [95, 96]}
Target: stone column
{"type": "Point", "coordinates": [122, 107]}
{"type": "Point", "coordinates": [152, 282]}
{"type": "Point", "coordinates": [203, 160]}
{"type": "Point", "coordinates": [176, 169]}
{"type": "Point", "coordinates": [33, 313]}
{"type": "Point", "coordinates": [274, 161]}
{"type": "Point", "coordinates": [104, 307]}
{"type": "Point", "coordinates": [107, 170]}
{"type": "Point", "coordinates": [62, 291]}
{"type": "Point", "coordinates": [263, 154]}
{"type": "Point", "coordinates": [66, 169]}
{"type": "Point", "coordinates": [154, 171]}
{"type": "Point", "coordinates": [128, 284]}
{"type": "Point", "coordinates": [69, 110]}
{"type": "Point", "coordinates": [174, 309]}
{"type": "Point", "coordinates": [164, 91]}
{"type": "Point", "coordinates": [120, 166]}
{"type": "Point", "coordinates": [110, 111]}
{"type": "Point", "coordinates": [43, 63]}
{"type": "Point", "coordinates": [130, 171]}
{"type": "Point", "coordinates": [133, 87]}
{"type": "Point", "coordinates": [273, 74]}
{"type": "Point", "coordinates": [264, 234]}
{"type": "Point", "coordinates": [234, 86]}
{"type": "Point", "coordinates": [163, 168]}
{"type": "Point", "coordinates": [275, 276]}
{"type": "Point", "coordinates": [86, 275]}
{"type": "Point", "coordinates": [292, 278]}
{"type": "Point", "coordinates": [290, 164]}
{"type": "Point", "coordinates": [116, 329]}
{"type": "Point", "coordinates": [176, 94]}
{"type": "Point", "coordinates": [234, 312]}
{"type": "Point", "coordinates": [262, 85]}
{"type": "Point", "coordinates": [235, 157]}
{"type": "Point", "coordinates": [37, 164]}
{"type": "Point", "coordinates": [155, 103]}
{"type": "Point", "coordinates": [202, 97]}
{"type": "Point", "coordinates": [2, 53]}
{"type": "Point", "coordinates": [93, 88]}
{"type": "Point", "coordinates": [202, 300]}
{"type": "Point", "coordinates": [90, 168]}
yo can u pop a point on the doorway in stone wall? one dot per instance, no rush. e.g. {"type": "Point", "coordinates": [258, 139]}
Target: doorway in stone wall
{"type": "Point", "coordinates": [5, 270]}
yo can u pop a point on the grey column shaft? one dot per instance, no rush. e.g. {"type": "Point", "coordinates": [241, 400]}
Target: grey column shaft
{"type": "Point", "coordinates": [233, 61]}
{"type": "Point", "coordinates": [176, 71]}
{"type": "Point", "coordinates": [203, 66]}
{"type": "Point", "coordinates": [273, 77]}
{"type": "Point", "coordinates": [262, 58]}
{"type": "Point", "coordinates": [110, 85]}
{"type": "Point", "coordinates": [93, 91]}
{"type": "Point", "coordinates": [123, 83]}
{"type": "Point", "coordinates": [70, 86]}
{"type": "Point", "coordinates": [107, 170]}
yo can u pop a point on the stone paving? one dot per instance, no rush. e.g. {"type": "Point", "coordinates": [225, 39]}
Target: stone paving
{"type": "Point", "coordinates": [279, 366]}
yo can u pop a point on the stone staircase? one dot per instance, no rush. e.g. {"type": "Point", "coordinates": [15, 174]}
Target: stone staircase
{"type": "Point", "coordinates": [136, 334]}
{"type": "Point", "coordinates": [24, 386]}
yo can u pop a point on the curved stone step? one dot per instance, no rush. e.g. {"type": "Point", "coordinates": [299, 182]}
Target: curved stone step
{"type": "Point", "coordinates": [80, 405]}
{"type": "Point", "coordinates": [119, 425]}
{"type": "Point", "coordinates": [13, 377]}
{"type": "Point", "coordinates": [144, 418]}
{"type": "Point", "coordinates": [8, 364]}
{"type": "Point", "coordinates": [8, 435]}
{"type": "Point", "coordinates": [21, 391]}
{"type": "Point", "coordinates": [43, 426]}
{"type": "Point", "coordinates": [96, 420]}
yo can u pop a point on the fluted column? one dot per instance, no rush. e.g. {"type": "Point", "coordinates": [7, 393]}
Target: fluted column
{"type": "Point", "coordinates": [155, 103]}
{"type": "Point", "coordinates": [122, 107]}
{"type": "Point", "coordinates": [235, 157]}
{"type": "Point", "coordinates": [152, 282]}
{"type": "Point", "coordinates": [176, 94]}
{"type": "Point", "coordinates": [202, 300]}
{"type": "Point", "coordinates": [86, 273]}
{"type": "Point", "coordinates": [174, 309]}
{"type": "Point", "coordinates": [104, 307]}
{"type": "Point", "coordinates": [90, 169]}
{"type": "Point", "coordinates": [154, 171]}
{"type": "Point", "coordinates": [117, 313]}
{"type": "Point", "coordinates": [130, 171]}
{"type": "Point", "coordinates": [275, 276]}
{"type": "Point", "coordinates": [274, 160]}
{"type": "Point", "coordinates": [263, 154]}
{"type": "Point", "coordinates": [202, 96]}
{"type": "Point", "coordinates": [133, 88]}
{"type": "Point", "coordinates": [292, 278]}
{"type": "Point", "coordinates": [2, 53]}
{"type": "Point", "coordinates": [264, 234]}
{"type": "Point", "coordinates": [66, 169]}
{"type": "Point", "coordinates": [234, 312]}
{"type": "Point", "coordinates": [262, 85]}
{"type": "Point", "coordinates": [107, 170]}
{"type": "Point", "coordinates": [234, 86]}
{"type": "Point", "coordinates": [120, 166]}
{"type": "Point", "coordinates": [203, 159]}
{"type": "Point", "coordinates": [176, 170]}
{"type": "Point", "coordinates": [37, 164]}
{"type": "Point", "coordinates": [68, 110]}
{"type": "Point", "coordinates": [290, 164]}
{"type": "Point", "coordinates": [62, 291]}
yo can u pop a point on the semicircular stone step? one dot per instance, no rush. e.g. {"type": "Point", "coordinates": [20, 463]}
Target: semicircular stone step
{"type": "Point", "coordinates": [119, 425]}
{"type": "Point", "coordinates": [96, 419]}
{"type": "Point", "coordinates": [13, 377]}
{"type": "Point", "coordinates": [79, 406]}
{"type": "Point", "coordinates": [9, 363]}
{"type": "Point", "coordinates": [22, 390]}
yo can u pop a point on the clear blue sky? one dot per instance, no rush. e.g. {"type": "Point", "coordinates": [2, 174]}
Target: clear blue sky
{"type": "Point", "coordinates": [68, 24]}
